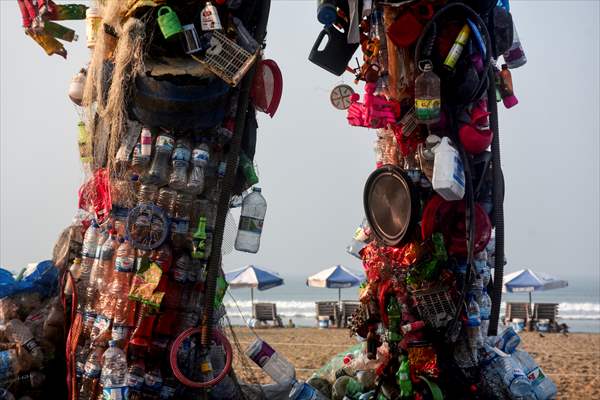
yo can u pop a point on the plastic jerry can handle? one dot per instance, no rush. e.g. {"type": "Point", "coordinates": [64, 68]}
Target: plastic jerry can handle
{"type": "Point", "coordinates": [164, 8]}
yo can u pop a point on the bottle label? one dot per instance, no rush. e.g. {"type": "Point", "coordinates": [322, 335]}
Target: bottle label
{"type": "Point", "coordinates": [536, 376]}
{"type": "Point", "coordinates": [180, 226]}
{"type": "Point", "coordinates": [153, 382]}
{"type": "Point", "coordinates": [92, 369]}
{"type": "Point", "coordinates": [124, 264]}
{"type": "Point", "coordinates": [31, 345]}
{"type": "Point", "coordinates": [260, 352]}
{"type": "Point", "coordinates": [167, 392]}
{"type": "Point", "coordinates": [200, 155]}
{"type": "Point", "coordinates": [180, 275]}
{"type": "Point", "coordinates": [459, 171]}
{"type": "Point", "coordinates": [135, 381]}
{"type": "Point", "coordinates": [165, 142]}
{"type": "Point", "coordinates": [181, 154]}
{"type": "Point", "coordinates": [107, 253]}
{"type": "Point", "coordinates": [119, 332]}
{"type": "Point", "coordinates": [114, 393]}
{"type": "Point", "coordinates": [427, 109]}
{"type": "Point", "coordinates": [250, 224]}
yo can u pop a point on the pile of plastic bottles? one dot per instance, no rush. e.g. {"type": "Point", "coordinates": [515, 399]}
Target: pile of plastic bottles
{"type": "Point", "coordinates": [31, 333]}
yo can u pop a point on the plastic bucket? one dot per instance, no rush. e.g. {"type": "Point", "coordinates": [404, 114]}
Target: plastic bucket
{"type": "Point", "coordinates": [543, 325]}
{"type": "Point", "coordinates": [518, 324]}
{"type": "Point", "coordinates": [323, 322]}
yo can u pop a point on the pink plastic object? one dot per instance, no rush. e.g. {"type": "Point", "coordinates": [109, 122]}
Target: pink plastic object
{"type": "Point", "coordinates": [267, 87]}
{"type": "Point", "coordinates": [375, 112]}
{"type": "Point", "coordinates": [476, 136]}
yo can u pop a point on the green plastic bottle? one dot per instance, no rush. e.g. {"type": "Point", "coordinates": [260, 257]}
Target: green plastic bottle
{"type": "Point", "coordinates": [403, 378]}
{"type": "Point", "coordinates": [395, 318]}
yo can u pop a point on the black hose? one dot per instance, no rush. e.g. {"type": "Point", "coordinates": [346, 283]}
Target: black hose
{"type": "Point", "coordinates": [498, 199]}
{"type": "Point", "coordinates": [214, 262]}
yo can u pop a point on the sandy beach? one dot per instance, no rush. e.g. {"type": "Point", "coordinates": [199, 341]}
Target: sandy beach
{"type": "Point", "coordinates": [572, 361]}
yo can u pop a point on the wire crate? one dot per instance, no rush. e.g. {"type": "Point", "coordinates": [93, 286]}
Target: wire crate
{"type": "Point", "coordinates": [227, 60]}
{"type": "Point", "coordinates": [435, 306]}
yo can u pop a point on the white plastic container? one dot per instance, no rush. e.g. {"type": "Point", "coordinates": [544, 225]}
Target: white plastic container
{"type": "Point", "coordinates": [448, 171]}
{"type": "Point", "coordinates": [76, 87]}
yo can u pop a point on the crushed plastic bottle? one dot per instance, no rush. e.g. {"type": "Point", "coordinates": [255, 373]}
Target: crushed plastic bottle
{"type": "Point", "coordinates": [200, 157]}
{"type": "Point", "coordinates": [91, 375]}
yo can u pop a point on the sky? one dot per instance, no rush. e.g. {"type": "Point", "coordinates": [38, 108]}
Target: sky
{"type": "Point", "coordinates": [313, 165]}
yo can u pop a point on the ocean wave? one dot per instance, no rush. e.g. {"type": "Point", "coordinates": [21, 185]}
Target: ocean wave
{"type": "Point", "coordinates": [306, 309]}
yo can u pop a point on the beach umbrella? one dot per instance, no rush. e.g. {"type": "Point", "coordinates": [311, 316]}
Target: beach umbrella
{"type": "Point", "coordinates": [528, 281]}
{"type": "Point", "coordinates": [252, 277]}
{"type": "Point", "coordinates": [337, 277]}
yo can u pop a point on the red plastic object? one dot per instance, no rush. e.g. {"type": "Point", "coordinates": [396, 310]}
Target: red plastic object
{"type": "Point", "coordinates": [405, 30]}
{"type": "Point", "coordinates": [448, 217]}
{"type": "Point", "coordinates": [476, 136]}
{"type": "Point", "coordinates": [95, 195]}
{"type": "Point", "coordinates": [219, 338]}
{"type": "Point", "coordinates": [267, 87]}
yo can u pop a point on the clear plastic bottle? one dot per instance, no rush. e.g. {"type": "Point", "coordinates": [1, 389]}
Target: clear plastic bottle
{"type": "Point", "coordinates": [304, 391]}
{"type": "Point", "coordinates": [378, 33]}
{"type": "Point", "coordinates": [91, 375]}
{"type": "Point", "coordinates": [485, 309]}
{"type": "Point", "coordinates": [135, 375]}
{"type": "Point", "coordinates": [273, 363]}
{"type": "Point", "coordinates": [159, 170]}
{"type": "Point", "coordinates": [473, 326]}
{"type": "Point", "coordinates": [427, 96]}
{"type": "Point", "coordinates": [114, 371]}
{"type": "Point", "coordinates": [166, 200]}
{"type": "Point", "coordinates": [543, 387]}
{"type": "Point", "coordinates": [153, 381]}
{"type": "Point", "coordinates": [180, 223]}
{"type": "Point", "coordinates": [106, 274]}
{"type": "Point", "coordinates": [10, 365]}
{"type": "Point", "coordinates": [139, 162]}
{"type": "Point", "coordinates": [147, 193]}
{"type": "Point", "coordinates": [20, 333]}
{"type": "Point", "coordinates": [254, 208]}
{"type": "Point", "coordinates": [200, 157]}
{"type": "Point", "coordinates": [75, 270]}
{"type": "Point", "coordinates": [180, 160]}
{"type": "Point", "coordinates": [119, 289]}
{"type": "Point", "coordinates": [513, 376]}
{"type": "Point", "coordinates": [515, 56]}
{"type": "Point", "coordinates": [182, 268]}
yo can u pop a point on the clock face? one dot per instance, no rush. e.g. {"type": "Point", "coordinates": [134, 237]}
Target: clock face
{"type": "Point", "coordinates": [340, 97]}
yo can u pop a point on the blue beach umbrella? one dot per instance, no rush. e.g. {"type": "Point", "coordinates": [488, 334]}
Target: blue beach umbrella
{"type": "Point", "coordinates": [337, 277]}
{"type": "Point", "coordinates": [253, 277]}
{"type": "Point", "coordinates": [528, 281]}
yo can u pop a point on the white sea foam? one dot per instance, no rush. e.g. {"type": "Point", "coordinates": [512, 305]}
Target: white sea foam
{"type": "Point", "coordinates": [306, 309]}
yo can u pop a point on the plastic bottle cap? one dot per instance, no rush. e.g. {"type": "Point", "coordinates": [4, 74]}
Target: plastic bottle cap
{"type": "Point", "coordinates": [113, 343]}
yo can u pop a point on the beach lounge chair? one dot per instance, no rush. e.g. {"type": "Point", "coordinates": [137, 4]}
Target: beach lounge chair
{"type": "Point", "coordinates": [546, 311]}
{"type": "Point", "coordinates": [328, 309]}
{"type": "Point", "coordinates": [348, 308]}
{"type": "Point", "coordinates": [517, 310]}
{"type": "Point", "coordinates": [265, 312]}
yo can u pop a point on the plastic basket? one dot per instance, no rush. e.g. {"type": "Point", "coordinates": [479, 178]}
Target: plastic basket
{"type": "Point", "coordinates": [227, 60]}
{"type": "Point", "coordinates": [435, 306]}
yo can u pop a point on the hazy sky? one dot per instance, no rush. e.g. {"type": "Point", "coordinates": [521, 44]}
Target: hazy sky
{"type": "Point", "coordinates": [313, 165]}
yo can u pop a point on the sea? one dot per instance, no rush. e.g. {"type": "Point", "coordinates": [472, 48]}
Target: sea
{"type": "Point", "coordinates": [579, 303]}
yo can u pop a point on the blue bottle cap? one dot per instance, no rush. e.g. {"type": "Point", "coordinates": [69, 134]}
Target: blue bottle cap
{"type": "Point", "coordinates": [327, 14]}
{"type": "Point", "coordinates": [113, 343]}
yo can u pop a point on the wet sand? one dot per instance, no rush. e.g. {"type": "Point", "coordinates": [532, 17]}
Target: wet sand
{"type": "Point", "coordinates": [573, 361]}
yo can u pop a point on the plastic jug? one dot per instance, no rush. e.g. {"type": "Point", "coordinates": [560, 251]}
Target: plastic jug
{"type": "Point", "coordinates": [337, 52]}
{"type": "Point", "coordinates": [448, 172]}
{"type": "Point", "coordinates": [168, 21]}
